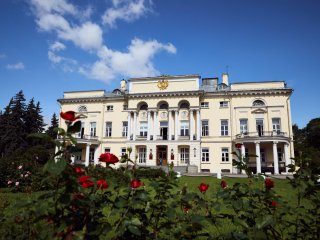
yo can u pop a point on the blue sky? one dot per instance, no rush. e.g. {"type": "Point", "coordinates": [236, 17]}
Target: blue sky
{"type": "Point", "coordinates": [51, 46]}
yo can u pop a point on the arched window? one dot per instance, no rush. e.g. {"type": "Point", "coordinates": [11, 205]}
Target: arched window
{"type": "Point", "coordinates": [184, 105]}
{"type": "Point", "coordinates": [82, 108]}
{"type": "Point", "coordinates": [163, 106]}
{"type": "Point", "coordinates": [144, 107]}
{"type": "Point", "coordinates": [258, 103]}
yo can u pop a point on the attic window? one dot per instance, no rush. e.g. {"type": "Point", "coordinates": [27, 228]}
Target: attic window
{"type": "Point", "coordinates": [82, 108]}
{"type": "Point", "coordinates": [258, 103]}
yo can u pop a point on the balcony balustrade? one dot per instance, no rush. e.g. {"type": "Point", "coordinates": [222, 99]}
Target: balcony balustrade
{"type": "Point", "coordinates": [262, 135]}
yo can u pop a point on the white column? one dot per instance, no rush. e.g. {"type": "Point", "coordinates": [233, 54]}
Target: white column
{"type": "Point", "coordinates": [72, 159]}
{"type": "Point", "coordinates": [129, 126]}
{"type": "Point", "coordinates": [55, 151]}
{"type": "Point", "coordinates": [275, 158]}
{"type": "Point", "coordinates": [191, 127]}
{"type": "Point", "coordinates": [96, 156]}
{"type": "Point", "coordinates": [170, 125]}
{"type": "Point", "coordinates": [286, 156]}
{"type": "Point", "coordinates": [243, 155]}
{"type": "Point", "coordinates": [86, 163]}
{"type": "Point", "coordinates": [198, 125]}
{"type": "Point", "coordinates": [149, 125]}
{"type": "Point", "coordinates": [134, 127]}
{"type": "Point", "coordinates": [155, 125]}
{"type": "Point", "coordinates": [258, 160]}
{"type": "Point", "coordinates": [176, 127]}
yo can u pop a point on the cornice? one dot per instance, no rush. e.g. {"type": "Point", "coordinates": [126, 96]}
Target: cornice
{"type": "Point", "coordinates": [165, 94]}
{"type": "Point", "coordinates": [253, 92]}
{"type": "Point", "coordinates": [89, 99]}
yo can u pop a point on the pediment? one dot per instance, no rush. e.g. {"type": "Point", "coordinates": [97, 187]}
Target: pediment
{"type": "Point", "coordinates": [259, 110]}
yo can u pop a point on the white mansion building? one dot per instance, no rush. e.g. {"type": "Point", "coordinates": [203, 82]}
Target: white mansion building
{"type": "Point", "coordinates": [188, 121]}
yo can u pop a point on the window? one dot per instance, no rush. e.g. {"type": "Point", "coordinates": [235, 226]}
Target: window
{"type": "Point", "coordinates": [143, 129]}
{"type": "Point", "coordinates": [225, 155]}
{"type": "Point", "coordinates": [184, 155]}
{"type": "Point", "coordinates": [142, 155]}
{"type": "Point", "coordinates": [107, 150]}
{"type": "Point", "coordinates": [276, 125]}
{"type": "Point", "coordinates": [123, 151]}
{"type": "Point", "coordinates": [82, 108]}
{"type": "Point", "coordinates": [224, 128]}
{"type": "Point", "coordinates": [109, 108]}
{"type": "Point", "coordinates": [258, 103]}
{"type": "Point", "coordinates": [81, 133]}
{"type": "Point", "coordinates": [223, 104]}
{"type": "Point", "coordinates": [262, 155]}
{"type": "Point", "coordinates": [205, 154]}
{"type": "Point", "coordinates": [124, 129]}
{"type": "Point", "coordinates": [205, 127]}
{"type": "Point", "coordinates": [184, 128]}
{"type": "Point", "coordinates": [259, 126]}
{"type": "Point", "coordinates": [280, 155]}
{"type": "Point", "coordinates": [243, 126]}
{"type": "Point", "coordinates": [125, 107]}
{"type": "Point", "coordinates": [93, 129]}
{"type": "Point", "coordinates": [204, 105]}
{"type": "Point", "coordinates": [91, 155]}
{"type": "Point", "coordinates": [246, 152]}
{"type": "Point", "coordinates": [108, 129]}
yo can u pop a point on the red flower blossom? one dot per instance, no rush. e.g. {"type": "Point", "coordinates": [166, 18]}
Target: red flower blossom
{"type": "Point", "coordinates": [274, 204]}
{"type": "Point", "coordinates": [102, 184]}
{"type": "Point", "coordinates": [238, 145]}
{"type": "Point", "coordinates": [83, 179]}
{"type": "Point", "coordinates": [108, 158]}
{"type": "Point", "coordinates": [78, 170]}
{"type": "Point", "coordinates": [87, 184]}
{"type": "Point", "coordinates": [69, 116]}
{"type": "Point", "coordinates": [136, 183]}
{"type": "Point", "coordinates": [186, 209]}
{"type": "Point", "coordinates": [223, 184]}
{"type": "Point", "coordinates": [203, 187]}
{"type": "Point", "coordinates": [268, 183]}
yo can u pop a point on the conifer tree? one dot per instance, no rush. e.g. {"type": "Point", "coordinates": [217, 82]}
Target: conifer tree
{"type": "Point", "coordinates": [54, 124]}
{"type": "Point", "coordinates": [39, 119]}
{"type": "Point", "coordinates": [31, 118]}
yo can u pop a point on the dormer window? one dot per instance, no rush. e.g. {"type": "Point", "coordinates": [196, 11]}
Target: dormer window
{"type": "Point", "coordinates": [258, 103]}
{"type": "Point", "coordinates": [109, 108]}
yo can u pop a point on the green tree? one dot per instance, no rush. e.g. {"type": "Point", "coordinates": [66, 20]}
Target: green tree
{"type": "Point", "coordinates": [54, 124]}
{"type": "Point", "coordinates": [4, 119]}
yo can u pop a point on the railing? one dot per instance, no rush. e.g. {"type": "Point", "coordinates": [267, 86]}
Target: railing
{"type": "Point", "coordinates": [184, 137]}
{"type": "Point", "coordinates": [86, 137]}
{"type": "Point", "coordinates": [262, 134]}
{"type": "Point", "coordinates": [141, 137]}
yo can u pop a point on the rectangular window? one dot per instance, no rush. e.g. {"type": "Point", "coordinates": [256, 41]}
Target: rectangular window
{"type": "Point", "coordinates": [109, 108]}
{"type": "Point", "coordinates": [184, 155]}
{"type": "Point", "coordinates": [142, 155]}
{"type": "Point", "coordinates": [125, 107]}
{"type": "Point", "coordinates": [280, 155]}
{"type": "Point", "coordinates": [184, 128]}
{"type": "Point", "coordinates": [123, 151]}
{"type": "Point", "coordinates": [224, 104]}
{"type": "Point", "coordinates": [143, 129]}
{"type": "Point", "coordinates": [259, 126]}
{"type": "Point", "coordinates": [246, 152]}
{"type": "Point", "coordinates": [225, 155]}
{"type": "Point", "coordinates": [107, 150]}
{"type": "Point", "coordinates": [91, 155]}
{"type": "Point", "coordinates": [124, 129]}
{"type": "Point", "coordinates": [81, 133]}
{"type": "Point", "coordinates": [243, 126]}
{"type": "Point", "coordinates": [108, 129]}
{"type": "Point", "coordinates": [93, 129]}
{"type": "Point", "coordinates": [224, 128]}
{"type": "Point", "coordinates": [205, 127]}
{"type": "Point", "coordinates": [276, 128]}
{"type": "Point", "coordinates": [204, 105]}
{"type": "Point", "coordinates": [205, 154]}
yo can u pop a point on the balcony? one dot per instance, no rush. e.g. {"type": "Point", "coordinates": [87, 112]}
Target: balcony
{"type": "Point", "coordinates": [184, 137]}
{"type": "Point", "coordinates": [263, 135]}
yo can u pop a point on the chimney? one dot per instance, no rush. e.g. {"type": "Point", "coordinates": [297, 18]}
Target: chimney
{"type": "Point", "coordinates": [225, 78]}
{"type": "Point", "coordinates": [123, 85]}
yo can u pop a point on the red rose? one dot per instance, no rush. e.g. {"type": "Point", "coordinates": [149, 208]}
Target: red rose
{"type": "Point", "coordinates": [102, 184]}
{"type": "Point", "coordinates": [203, 187]}
{"type": "Point", "coordinates": [223, 184]}
{"type": "Point", "coordinates": [78, 170]}
{"type": "Point", "coordinates": [87, 184]}
{"type": "Point", "coordinates": [108, 158]}
{"type": "Point", "coordinates": [268, 183]}
{"type": "Point", "coordinates": [83, 179]}
{"type": "Point", "coordinates": [238, 145]}
{"type": "Point", "coordinates": [274, 204]}
{"type": "Point", "coordinates": [69, 116]}
{"type": "Point", "coordinates": [136, 183]}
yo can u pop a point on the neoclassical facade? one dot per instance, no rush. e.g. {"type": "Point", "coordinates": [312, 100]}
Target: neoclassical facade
{"type": "Point", "coordinates": [188, 121]}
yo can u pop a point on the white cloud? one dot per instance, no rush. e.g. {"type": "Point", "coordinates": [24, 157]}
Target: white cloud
{"type": "Point", "coordinates": [17, 66]}
{"type": "Point", "coordinates": [66, 64]}
{"type": "Point", "coordinates": [59, 6]}
{"type": "Point", "coordinates": [127, 10]}
{"type": "Point", "coordinates": [57, 46]}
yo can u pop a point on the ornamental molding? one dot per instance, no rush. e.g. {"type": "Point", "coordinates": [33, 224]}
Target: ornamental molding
{"type": "Point", "coordinates": [163, 84]}
{"type": "Point", "coordinates": [165, 94]}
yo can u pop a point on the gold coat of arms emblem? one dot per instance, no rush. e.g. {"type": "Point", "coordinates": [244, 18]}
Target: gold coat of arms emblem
{"type": "Point", "coordinates": [163, 84]}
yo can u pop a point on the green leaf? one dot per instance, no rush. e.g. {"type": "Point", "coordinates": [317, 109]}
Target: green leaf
{"type": "Point", "coordinates": [134, 230]}
{"type": "Point", "coordinates": [264, 221]}
{"type": "Point", "coordinates": [74, 128]}
{"type": "Point", "coordinates": [55, 168]}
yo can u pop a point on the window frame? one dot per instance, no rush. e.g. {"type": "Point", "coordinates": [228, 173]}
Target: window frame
{"type": "Point", "coordinates": [143, 130]}
{"type": "Point", "coordinates": [108, 129]}
{"type": "Point", "coordinates": [205, 155]}
{"type": "Point", "coordinates": [109, 108]}
{"type": "Point", "coordinates": [276, 127]}
{"type": "Point", "coordinates": [224, 128]}
{"type": "Point", "coordinates": [204, 105]}
{"type": "Point", "coordinates": [184, 153]}
{"type": "Point", "coordinates": [204, 128]}
{"type": "Point", "coordinates": [107, 150]}
{"type": "Point", "coordinates": [224, 104]}
{"type": "Point", "coordinates": [225, 155]}
{"type": "Point", "coordinates": [242, 131]}
{"type": "Point", "coordinates": [93, 129]}
{"type": "Point", "coordinates": [184, 128]}
{"type": "Point", "coordinates": [124, 128]}
{"type": "Point", "coordinates": [142, 154]}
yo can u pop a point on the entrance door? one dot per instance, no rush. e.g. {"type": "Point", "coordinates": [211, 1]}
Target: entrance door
{"type": "Point", "coordinates": [259, 124]}
{"type": "Point", "coordinates": [164, 130]}
{"type": "Point", "coordinates": [162, 156]}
